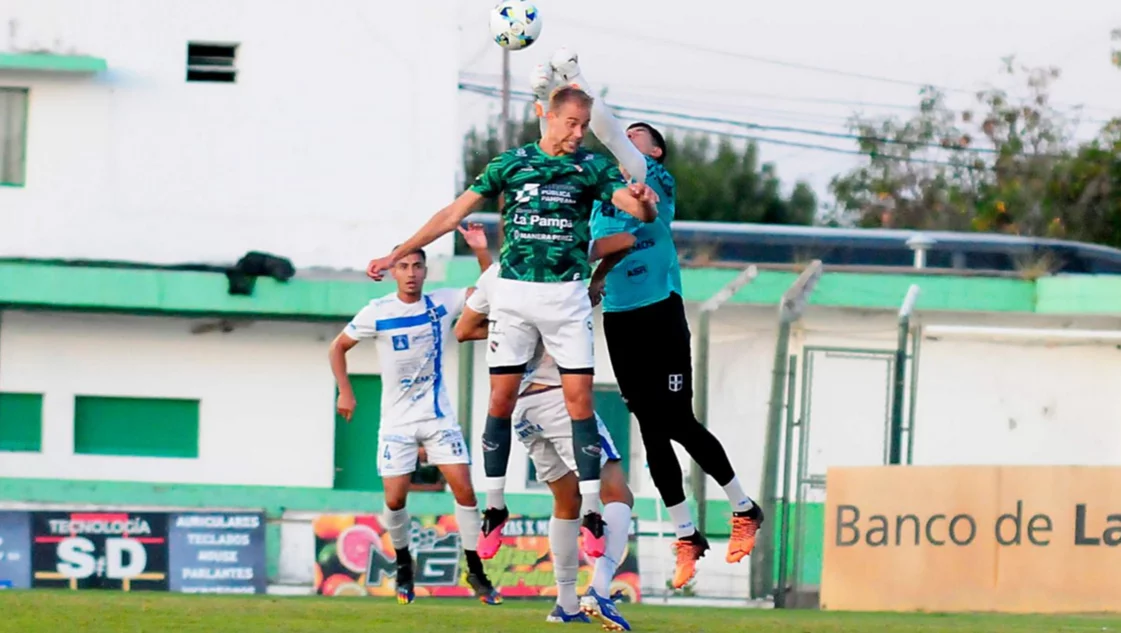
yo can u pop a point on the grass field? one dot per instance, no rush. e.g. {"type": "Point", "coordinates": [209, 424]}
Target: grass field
{"type": "Point", "coordinates": [42, 611]}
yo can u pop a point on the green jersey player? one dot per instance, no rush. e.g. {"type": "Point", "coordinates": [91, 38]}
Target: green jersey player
{"type": "Point", "coordinates": [548, 190]}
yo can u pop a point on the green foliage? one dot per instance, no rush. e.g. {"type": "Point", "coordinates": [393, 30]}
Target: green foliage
{"type": "Point", "coordinates": [1116, 35]}
{"type": "Point", "coordinates": [718, 179]}
{"type": "Point", "coordinates": [1010, 165]}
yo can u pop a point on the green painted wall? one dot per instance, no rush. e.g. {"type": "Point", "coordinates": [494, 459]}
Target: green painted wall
{"type": "Point", "coordinates": [52, 63]}
{"type": "Point", "coordinates": [813, 543]}
{"type": "Point", "coordinates": [1079, 294]}
{"type": "Point", "coordinates": [36, 284]}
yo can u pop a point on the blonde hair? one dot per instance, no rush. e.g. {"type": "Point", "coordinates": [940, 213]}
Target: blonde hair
{"type": "Point", "coordinates": [569, 94]}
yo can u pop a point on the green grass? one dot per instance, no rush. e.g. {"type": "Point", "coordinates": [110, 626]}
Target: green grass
{"type": "Point", "coordinates": [46, 611]}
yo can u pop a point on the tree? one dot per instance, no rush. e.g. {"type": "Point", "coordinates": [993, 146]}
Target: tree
{"type": "Point", "coordinates": [1008, 165]}
{"type": "Point", "coordinates": [1116, 53]}
{"type": "Point", "coordinates": [717, 179]}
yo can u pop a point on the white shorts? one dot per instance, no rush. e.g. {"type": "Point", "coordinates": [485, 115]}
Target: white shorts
{"type": "Point", "coordinates": [398, 445]}
{"type": "Point", "coordinates": [543, 425]}
{"type": "Point", "coordinates": [559, 313]}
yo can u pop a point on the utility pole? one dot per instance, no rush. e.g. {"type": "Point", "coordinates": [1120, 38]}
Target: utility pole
{"type": "Point", "coordinates": [505, 131]}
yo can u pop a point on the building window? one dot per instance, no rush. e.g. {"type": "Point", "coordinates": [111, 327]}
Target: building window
{"type": "Point", "coordinates": [215, 63]}
{"type": "Point", "coordinates": [21, 422]}
{"type": "Point", "coordinates": [136, 427]}
{"type": "Point", "coordinates": [13, 136]}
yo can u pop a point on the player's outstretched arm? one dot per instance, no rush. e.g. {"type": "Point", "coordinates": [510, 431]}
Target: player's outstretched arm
{"type": "Point", "coordinates": [445, 221]}
{"type": "Point", "coordinates": [616, 243]}
{"type": "Point", "coordinates": [471, 326]}
{"type": "Point", "coordinates": [604, 125]}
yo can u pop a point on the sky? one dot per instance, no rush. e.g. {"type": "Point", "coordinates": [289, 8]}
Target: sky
{"type": "Point", "coordinates": [806, 64]}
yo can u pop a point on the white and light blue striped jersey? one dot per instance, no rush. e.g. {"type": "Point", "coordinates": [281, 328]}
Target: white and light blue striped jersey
{"type": "Point", "coordinates": [411, 340]}
{"type": "Point", "coordinates": [542, 369]}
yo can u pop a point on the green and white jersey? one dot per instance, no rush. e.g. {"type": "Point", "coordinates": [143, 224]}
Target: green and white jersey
{"type": "Point", "coordinates": [547, 209]}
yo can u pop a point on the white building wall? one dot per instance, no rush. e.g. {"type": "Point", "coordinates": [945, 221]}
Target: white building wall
{"type": "Point", "coordinates": [335, 143]}
{"type": "Point", "coordinates": [266, 392]}
{"type": "Point", "coordinates": [1011, 403]}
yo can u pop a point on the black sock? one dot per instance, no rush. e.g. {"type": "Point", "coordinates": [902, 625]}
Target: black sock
{"type": "Point", "coordinates": [585, 443]}
{"type": "Point", "coordinates": [404, 566]}
{"type": "Point", "coordinates": [496, 446]}
{"type": "Point", "coordinates": [474, 563]}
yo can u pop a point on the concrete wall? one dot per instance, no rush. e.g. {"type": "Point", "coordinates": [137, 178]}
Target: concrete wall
{"type": "Point", "coordinates": [334, 144]}
{"type": "Point", "coordinates": [979, 401]}
{"type": "Point", "coordinates": [266, 392]}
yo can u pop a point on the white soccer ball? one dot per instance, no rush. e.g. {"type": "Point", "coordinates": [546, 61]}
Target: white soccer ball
{"type": "Point", "coordinates": [515, 24]}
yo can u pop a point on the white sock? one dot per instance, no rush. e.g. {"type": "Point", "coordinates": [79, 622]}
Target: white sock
{"type": "Point", "coordinates": [563, 535]}
{"type": "Point", "coordinates": [397, 524]}
{"type": "Point", "coordinates": [589, 496]}
{"type": "Point", "coordinates": [682, 520]}
{"type": "Point", "coordinates": [617, 516]}
{"type": "Point", "coordinates": [496, 493]}
{"type": "Point", "coordinates": [740, 501]}
{"type": "Point", "coordinates": [470, 525]}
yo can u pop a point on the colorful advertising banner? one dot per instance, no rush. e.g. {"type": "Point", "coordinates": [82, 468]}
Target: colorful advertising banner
{"type": "Point", "coordinates": [355, 557]}
{"type": "Point", "coordinates": [1039, 539]}
{"type": "Point", "coordinates": [99, 550]}
{"type": "Point", "coordinates": [15, 550]}
{"type": "Point", "coordinates": [217, 553]}
{"type": "Point", "coordinates": [133, 551]}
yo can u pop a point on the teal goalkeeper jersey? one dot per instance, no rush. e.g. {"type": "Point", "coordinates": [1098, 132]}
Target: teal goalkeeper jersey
{"type": "Point", "coordinates": [650, 271]}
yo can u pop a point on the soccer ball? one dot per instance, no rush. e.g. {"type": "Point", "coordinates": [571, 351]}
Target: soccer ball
{"type": "Point", "coordinates": [515, 24]}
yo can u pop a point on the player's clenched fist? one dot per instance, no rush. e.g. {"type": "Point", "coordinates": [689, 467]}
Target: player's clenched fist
{"type": "Point", "coordinates": [376, 269]}
{"type": "Point", "coordinates": [643, 193]}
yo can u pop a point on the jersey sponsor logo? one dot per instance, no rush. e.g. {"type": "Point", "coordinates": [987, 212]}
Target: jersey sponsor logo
{"type": "Point", "coordinates": [551, 193]}
{"type": "Point", "coordinates": [538, 221]}
{"type": "Point", "coordinates": [676, 382]}
{"type": "Point", "coordinates": [527, 192]}
{"type": "Point", "coordinates": [546, 237]}
{"type": "Point", "coordinates": [637, 273]}
{"type": "Point", "coordinates": [560, 194]}
{"type": "Point", "coordinates": [400, 342]}
{"type": "Point", "coordinates": [410, 382]}
{"type": "Point", "coordinates": [642, 245]}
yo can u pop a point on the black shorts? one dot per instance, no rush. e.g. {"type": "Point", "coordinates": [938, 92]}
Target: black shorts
{"type": "Point", "coordinates": [651, 353]}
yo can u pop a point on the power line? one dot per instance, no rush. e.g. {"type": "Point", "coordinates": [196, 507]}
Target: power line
{"type": "Point", "coordinates": [528, 98]}
{"type": "Point", "coordinates": [487, 90]}
{"type": "Point", "coordinates": [661, 89]}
